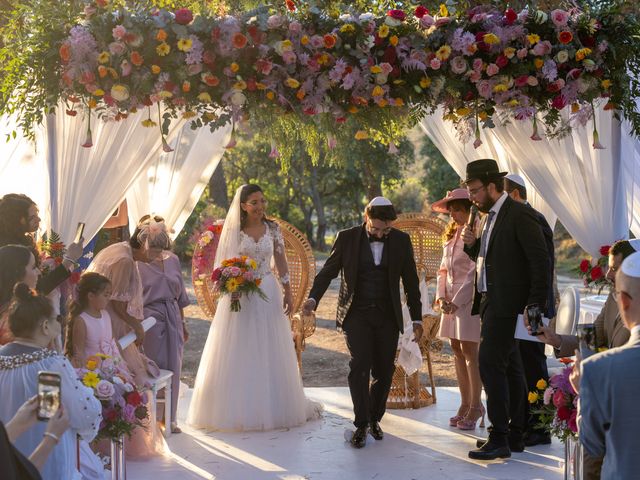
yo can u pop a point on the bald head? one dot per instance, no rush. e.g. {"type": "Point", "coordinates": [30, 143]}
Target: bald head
{"type": "Point", "coordinates": [628, 290]}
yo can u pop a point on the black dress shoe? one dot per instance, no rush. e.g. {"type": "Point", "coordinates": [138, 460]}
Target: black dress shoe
{"type": "Point", "coordinates": [376, 431]}
{"type": "Point", "coordinates": [359, 438]}
{"type": "Point", "coordinates": [490, 451]}
{"type": "Point", "coordinates": [537, 438]}
{"type": "Point", "coordinates": [514, 446]}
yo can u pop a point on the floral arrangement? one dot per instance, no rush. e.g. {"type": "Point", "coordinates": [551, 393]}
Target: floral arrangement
{"type": "Point", "coordinates": [237, 276]}
{"type": "Point", "coordinates": [556, 403]}
{"type": "Point", "coordinates": [207, 243]}
{"type": "Point", "coordinates": [481, 65]}
{"type": "Point", "coordinates": [123, 405]}
{"type": "Point", "coordinates": [52, 250]}
{"type": "Point", "coordinates": [593, 273]}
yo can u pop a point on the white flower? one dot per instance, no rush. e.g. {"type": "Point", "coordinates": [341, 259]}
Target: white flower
{"type": "Point", "coordinates": [346, 17]}
{"type": "Point", "coordinates": [562, 56]}
{"type": "Point", "coordinates": [392, 22]}
{"type": "Point", "coordinates": [118, 381]}
{"type": "Point", "coordinates": [238, 98]}
{"type": "Point", "coordinates": [540, 17]}
{"type": "Point", "coordinates": [128, 387]}
{"type": "Point", "coordinates": [365, 17]}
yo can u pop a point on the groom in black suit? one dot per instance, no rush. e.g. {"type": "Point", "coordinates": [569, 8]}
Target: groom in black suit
{"type": "Point", "coordinates": [372, 258]}
{"type": "Point", "coordinates": [512, 266]}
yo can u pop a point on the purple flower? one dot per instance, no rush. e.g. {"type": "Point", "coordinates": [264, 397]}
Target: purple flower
{"type": "Point", "coordinates": [462, 40]}
{"type": "Point", "coordinates": [336, 73]}
{"type": "Point", "coordinates": [105, 389]}
{"type": "Point", "coordinates": [194, 56]}
{"type": "Point", "coordinates": [348, 81]}
{"type": "Point", "coordinates": [549, 70]}
{"type": "Point", "coordinates": [129, 413]}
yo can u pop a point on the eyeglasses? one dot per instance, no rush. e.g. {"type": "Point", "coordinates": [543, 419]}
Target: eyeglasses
{"type": "Point", "coordinates": [473, 191]}
{"type": "Point", "coordinates": [372, 229]}
{"type": "Point", "coordinates": [621, 292]}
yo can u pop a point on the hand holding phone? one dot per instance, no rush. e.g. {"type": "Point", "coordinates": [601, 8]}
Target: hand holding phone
{"type": "Point", "coordinates": [48, 395]}
{"type": "Point", "coordinates": [587, 340]}
{"type": "Point", "coordinates": [534, 316]}
{"type": "Point", "coordinates": [79, 232]}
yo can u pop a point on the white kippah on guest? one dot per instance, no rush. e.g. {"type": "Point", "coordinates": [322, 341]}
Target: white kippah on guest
{"type": "Point", "coordinates": [635, 244]}
{"type": "Point", "coordinates": [380, 202]}
{"type": "Point", "coordinates": [631, 265]}
{"type": "Point", "coordinates": [515, 178]}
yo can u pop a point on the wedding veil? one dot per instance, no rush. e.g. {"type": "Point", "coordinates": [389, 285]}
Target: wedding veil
{"type": "Point", "coordinates": [229, 244]}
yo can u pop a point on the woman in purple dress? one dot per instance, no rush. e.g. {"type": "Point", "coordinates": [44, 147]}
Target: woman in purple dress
{"type": "Point", "coordinates": [164, 298]}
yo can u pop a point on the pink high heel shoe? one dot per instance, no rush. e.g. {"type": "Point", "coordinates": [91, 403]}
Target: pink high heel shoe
{"type": "Point", "coordinates": [471, 418]}
{"type": "Point", "coordinates": [453, 421]}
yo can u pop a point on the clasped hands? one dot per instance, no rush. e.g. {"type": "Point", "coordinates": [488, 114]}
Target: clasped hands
{"type": "Point", "coordinates": [446, 306]}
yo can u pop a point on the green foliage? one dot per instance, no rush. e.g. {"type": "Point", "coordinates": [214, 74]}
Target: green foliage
{"type": "Point", "coordinates": [439, 175]}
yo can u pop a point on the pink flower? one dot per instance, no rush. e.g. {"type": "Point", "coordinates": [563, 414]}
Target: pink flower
{"type": "Point", "coordinates": [502, 61]}
{"type": "Point", "coordinates": [559, 17]}
{"type": "Point", "coordinates": [548, 393]}
{"type": "Point", "coordinates": [116, 48]}
{"type": "Point", "coordinates": [386, 68]}
{"type": "Point", "coordinates": [264, 66]}
{"type": "Point", "coordinates": [532, 81]}
{"type": "Point", "coordinates": [477, 64]}
{"type": "Point", "coordinates": [129, 413]}
{"type": "Point", "coordinates": [105, 389]}
{"type": "Point", "coordinates": [317, 41]}
{"type": "Point", "coordinates": [484, 88]}
{"type": "Point", "coordinates": [289, 57]}
{"type": "Point", "coordinates": [234, 271]}
{"type": "Point", "coordinates": [572, 422]}
{"type": "Point", "coordinates": [559, 102]}
{"type": "Point", "coordinates": [184, 16]}
{"type": "Point", "coordinates": [477, 142]}
{"type": "Point", "coordinates": [475, 75]}
{"type": "Point", "coordinates": [435, 64]}
{"type": "Point", "coordinates": [125, 68]}
{"type": "Point", "coordinates": [427, 21]}
{"type": "Point", "coordinates": [443, 21]}
{"type": "Point", "coordinates": [522, 53]}
{"type": "Point", "coordinates": [559, 399]}
{"type": "Point", "coordinates": [295, 27]}
{"type": "Point", "coordinates": [492, 69]}
{"type": "Point", "coordinates": [521, 81]}
{"type": "Point", "coordinates": [248, 276]}
{"type": "Point", "coordinates": [542, 48]}
{"type": "Point", "coordinates": [275, 21]}
{"type": "Point", "coordinates": [119, 32]}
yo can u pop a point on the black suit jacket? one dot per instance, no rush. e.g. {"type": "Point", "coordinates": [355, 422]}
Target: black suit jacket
{"type": "Point", "coordinates": [550, 312]}
{"type": "Point", "coordinates": [344, 260]}
{"type": "Point", "coordinates": [516, 264]}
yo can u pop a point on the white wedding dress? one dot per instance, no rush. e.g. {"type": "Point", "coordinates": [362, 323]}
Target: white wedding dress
{"type": "Point", "coordinates": [248, 378]}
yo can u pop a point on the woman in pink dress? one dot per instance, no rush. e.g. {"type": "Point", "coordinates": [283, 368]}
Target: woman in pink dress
{"type": "Point", "coordinates": [454, 299]}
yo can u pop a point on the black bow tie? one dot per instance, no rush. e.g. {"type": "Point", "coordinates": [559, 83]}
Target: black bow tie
{"type": "Point", "coordinates": [373, 239]}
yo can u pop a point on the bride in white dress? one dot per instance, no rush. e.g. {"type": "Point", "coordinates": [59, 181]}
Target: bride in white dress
{"type": "Point", "coordinates": [248, 377]}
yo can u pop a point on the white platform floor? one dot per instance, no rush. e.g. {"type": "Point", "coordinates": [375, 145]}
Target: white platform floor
{"type": "Point", "coordinates": [418, 445]}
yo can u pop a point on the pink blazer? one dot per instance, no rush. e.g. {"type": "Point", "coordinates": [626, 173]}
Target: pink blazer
{"type": "Point", "coordinates": [456, 273]}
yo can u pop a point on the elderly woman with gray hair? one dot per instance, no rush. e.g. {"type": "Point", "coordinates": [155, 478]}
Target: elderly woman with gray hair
{"type": "Point", "coordinates": [165, 297]}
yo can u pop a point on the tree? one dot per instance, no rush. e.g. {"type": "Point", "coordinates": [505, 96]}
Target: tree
{"type": "Point", "coordinates": [439, 175]}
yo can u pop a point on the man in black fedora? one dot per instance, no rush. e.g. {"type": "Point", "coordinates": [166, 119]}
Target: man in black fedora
{"type": "Point", "coordinates": [511, 272]}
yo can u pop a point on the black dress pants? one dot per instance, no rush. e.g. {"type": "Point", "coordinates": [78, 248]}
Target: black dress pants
{"type": "Point", "coordinates": [534, 362]}
{"type": "Point", "coordinates": [372, 339]}
{"type": "Point", "coordinates": [502, 376]}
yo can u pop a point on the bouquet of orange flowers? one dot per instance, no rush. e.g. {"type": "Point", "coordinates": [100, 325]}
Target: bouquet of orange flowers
{"type": "Point", "coordinates": [237, 275]}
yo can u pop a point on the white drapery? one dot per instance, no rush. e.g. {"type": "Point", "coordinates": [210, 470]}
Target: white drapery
{"type": "Point", "coordinates": [444, 137]}
{"type": "Point", "coordinates": [174, 182]}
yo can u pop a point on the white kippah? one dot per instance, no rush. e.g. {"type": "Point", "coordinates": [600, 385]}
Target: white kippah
{"type": "Point", "coordinates": [515, 178]}
{"type": "Point", "coordinates": [380, 202]}
{"type": "Point", "coordinates": [631, 265]}
{"type": "Point", "coordinates": [635, 244]}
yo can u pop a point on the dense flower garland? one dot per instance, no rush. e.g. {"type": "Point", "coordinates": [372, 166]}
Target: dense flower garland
{"type": "Point", "coordinates": [528, 64]}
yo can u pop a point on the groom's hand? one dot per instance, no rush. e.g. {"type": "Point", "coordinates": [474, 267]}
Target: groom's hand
{"type": "Point", "coordinates": [308, 306]}
{"type": "Point", "coordinates": [417, 332]}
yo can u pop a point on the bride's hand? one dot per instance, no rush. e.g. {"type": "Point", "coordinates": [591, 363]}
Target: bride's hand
{"type": "Point", "coordinates": [287, 303]}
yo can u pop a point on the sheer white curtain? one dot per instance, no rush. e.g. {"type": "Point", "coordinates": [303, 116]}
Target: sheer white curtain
{"type": "Point", "coordinates": [87, 184]}
{"type": "Point", "coordinates": [443, 135]}
{"type": "Point", "coordinates": [630, 159]}
{"type": "Point", "coordinates": [174, 182]}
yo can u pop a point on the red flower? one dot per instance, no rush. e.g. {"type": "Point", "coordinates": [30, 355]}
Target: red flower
{"type": "Point", "coordinates": [184, 16]}
{"type": "Point", "coordinates": [110, 415]}
{"type": "Point", "coordinates": [72, 113]}
{"type": "Point", "coordinates": [572, 423]}
{"type": "Point", "coordinates": [239, 40]}
{"type": "Point", "coordinates": [329, 40]}
{"type": "Point", "coordinates": [565, 37]}
{"type": "Point", "coordinates": [216, 274]}
{"type": "Point", "coordinates": [502, 61]}
{"type": "Point", "coordinates": [397, 14]}
{"type": "Point", "coordinates": [215, 34]}
{"type": "Point", "coordinates": [558, 102]}
{"type": "Point", "coordinates": [584, 266]}
{"type": "Point", "coordinates": [420, 11]}
{"type": "Point", "coordinates": [254, 33]}
{"type": "Point", "coordinates": [74, 278]}
{"type": "Point", "coordinates": [510, 16]}
{"type": "Point", "coordinates": [134, 398]}
{"type": "Point", "coordinates": [604, 250]}
{"type": "Point", "coordinates": [564, 413]}
{"type": "Point", "coordinates": [596, 273]}
{"type": "Point", "coordinates": [291, 6]}
{"type": "Point", "coordinates": [208, 57]}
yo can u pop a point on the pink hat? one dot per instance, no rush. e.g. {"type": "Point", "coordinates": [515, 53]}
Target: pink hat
{"type": "Point", "coordinates": [441, 205]}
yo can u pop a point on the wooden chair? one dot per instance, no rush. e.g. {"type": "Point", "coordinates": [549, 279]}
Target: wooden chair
{"type": "Point", "coordinates": [302, 270]}
{"type": "Point", "coordinates": [426, 238]}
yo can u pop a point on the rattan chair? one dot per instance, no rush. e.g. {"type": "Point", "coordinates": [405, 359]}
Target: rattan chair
{"type": "Point", "coordinates": [426, 238]}
{"type": "Point", "coordinates": [302, 268]}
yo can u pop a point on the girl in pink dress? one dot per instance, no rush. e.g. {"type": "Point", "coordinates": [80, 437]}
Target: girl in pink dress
{"type": "Point", "coordinates": [89, 332]}
{"type": "Point", "coordinates": [454, 299]}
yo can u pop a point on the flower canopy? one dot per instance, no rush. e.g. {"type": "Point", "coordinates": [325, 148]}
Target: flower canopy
{"type": "Point", "coordinates": [483, 65]}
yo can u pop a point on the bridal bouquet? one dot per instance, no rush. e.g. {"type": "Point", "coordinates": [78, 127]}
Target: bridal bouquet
{"type": "Point", "coordinates": [123, 405]}
{"type": "Point", "coordinates": [557, 404]}
{"type": "Point", "coordinates": [237, 275]}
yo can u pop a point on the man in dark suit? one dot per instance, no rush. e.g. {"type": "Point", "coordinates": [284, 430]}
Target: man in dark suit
{"type": "Point", "coordinates": [534, 360]}
{"type": "Point", "coordinates": [372, 258]}
{"type": "Point", "coordinates": [511, 272]}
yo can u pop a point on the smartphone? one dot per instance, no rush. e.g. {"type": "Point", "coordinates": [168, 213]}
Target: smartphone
{"type": "Point", "coordinates": [535, 318]}
{"type": "Point", "coordinates": [48, 394]}
{"type": "Point", "coordinates": [79, 232]}
{"type": "Point", "coordinates": [587, 339]}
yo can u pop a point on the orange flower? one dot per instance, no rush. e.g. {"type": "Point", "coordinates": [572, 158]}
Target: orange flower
{"type": "Point", "coordinates": [291, 6]}
{"type": "Point", "coordinates": [300, 94]}
{"type": "Point", "coordinates": [155, 69]}
{"type": "Point", "coordinates": [258, 281]}
{"type": "Point", "coordinates": [136, 58]}
{"type": "Point", "coordinates": [239, 40]}
{"type": "Point", "coordinates": [102, 71]}
{"type": "Point", "coordinates": [65, 52]}
{"type": "Point", "coordinates": [161, 36]}
{"type": "Point", "coordinates": [329, 40]}
{"type": "Point", "coordinates": [210, 79]}
{"type": "Point", "coordinates": [186, 86]}
{"type": "Point", "coordinates": [565, 37]}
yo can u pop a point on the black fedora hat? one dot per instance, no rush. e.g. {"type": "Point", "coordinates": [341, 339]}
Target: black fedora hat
{"type": "Point", "coordinates": [483, 169]}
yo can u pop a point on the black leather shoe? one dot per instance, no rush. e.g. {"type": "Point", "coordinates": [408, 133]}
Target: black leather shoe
{"type": "Point", "coordinates": [514, 446]}
{"type": "Point", "coordinates": [359, 438]}
{"type": "Point", "coordinates": [537, 438]}
{"type": "Point", "coordinates": [375, 431]}
{"type": "Point", "coordinates": [490, 451]}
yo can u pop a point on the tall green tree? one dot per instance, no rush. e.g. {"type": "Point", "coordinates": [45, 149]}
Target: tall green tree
{"type": "Point", "coordinates": [439, 176]}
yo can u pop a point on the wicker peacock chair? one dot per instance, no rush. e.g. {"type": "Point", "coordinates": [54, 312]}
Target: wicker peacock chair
{"type": "Point", "coordinates": [302, 268]}
{"type": "Point", "coordinates": [426, 238]}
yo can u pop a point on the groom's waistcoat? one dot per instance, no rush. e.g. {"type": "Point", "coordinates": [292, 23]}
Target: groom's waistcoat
{"type": "Point", "coordinates": [372, 284]}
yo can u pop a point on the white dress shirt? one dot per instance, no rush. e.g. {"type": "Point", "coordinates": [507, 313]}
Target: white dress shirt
{"type": "Point", "coordinates": [376, 251]}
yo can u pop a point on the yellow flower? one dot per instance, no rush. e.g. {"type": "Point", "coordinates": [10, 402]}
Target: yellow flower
{"type": "Point", "coordinates": [304, 40]}
{"type": "Point", "coordinates": [92, 364]}
{"type": "Point", "coordinates": [270, 95]}
{"type": "Point", "coordinates": [91, 103]}
{"type": "Point", "coordinates": [582, 53]}
{"type": "Point", "coordinates": [204, 97]}
{"type": "Point", "coordinates": [399, 102]}
{"type": "Point", "coordinates": [292, 83]}
{"type": "Point", "coordinates": [575, 107]}
{"type": "Point", "coordinates": [483, 115]}
{"type": "Point", "coordinates": [188, 114]}
{"type": "Point", "coordinates": [165, 94]}
{"type": "Point", "coordinates": [509, 52]}
{"type": "Point", "coordinates": [500, 87]}
{"type": "Point", "coordinates": [538, 62]}
{"type": "Point", "coordinates": [240, 85]}
{"type": "Point", "coordinates": [491, 38]}
{"type": "Point", "coordinates": [185, 44]}
{"type": "Point", "coordinates": [533, 38]}
{"type": "Point", "coordinates": [443, 11]}
{"type": "Point", "coordinates": [463, 112]}
{"type": "Point", "coordinates": [382, 102]}
{"type": "Point", "coordinates": [605, 83]}
{"type": "Point", "coordinates": [232, 285]}
{"type": "Point", "coordinates": [383, 31]}
{"type": "Point", "coordinates": [361, 135]}
{"type": "Point", "coordinates": [347, 28]}
{"type": "Point", "coordinates": [352, 109]}
{"type": "Point", "coordinates": [261, 86]}
{"type": "Point", "coordinates": [513, 102]}
{"type": "Point", "coordinates": [542, 384]}
{"type": "Point", "coordinates": [148, 123]}
{"type": "Point", "coordinates": [90, 379]}
{"type": "Point", "coordinates": [234, 67]}
{"type": "Point", "coordinates": [443, 52]}
{"type": "Point", "coordinates": [324, 59]}
{"type": "Point", "coordinates": [102, 355]}
{"type": "Point", "coordinates": [375, 69]}
{"type": "Point", "coordinates": [253, 264]}
{"type": "Point", "coordinates": [163, 49]}
{"type": "Point", "coordinates": [98, 92]}
{"type": "Point", "coordinates": [378, 91]}
{"type": "Point", "coordinates": [425, 82]}
{"type": "Point", "coordinates": [393, 40]}
{"type": "Point", "coordinates": [104, 57]}
{"type": "Point", "coordinates": [533, 397]}
{"type": "Point", "coordinates": [155, 69]}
